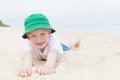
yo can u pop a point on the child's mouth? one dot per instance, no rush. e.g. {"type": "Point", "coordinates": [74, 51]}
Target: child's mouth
{"type": "Point", "coordinates": [40, 44]}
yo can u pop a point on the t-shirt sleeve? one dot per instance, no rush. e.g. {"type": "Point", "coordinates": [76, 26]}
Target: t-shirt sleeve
{"type": "Point", "coordinates": [29, 46]}
{"type": "Point", "coordinates": [55, 43]}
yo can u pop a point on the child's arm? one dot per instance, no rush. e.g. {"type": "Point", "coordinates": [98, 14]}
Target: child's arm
{"type": "Point", "coordinates": [26, 68]}
{"type": "Point", "coordinates": [49, 67]}
{"type": "Point", "coordinates": [51, 59]}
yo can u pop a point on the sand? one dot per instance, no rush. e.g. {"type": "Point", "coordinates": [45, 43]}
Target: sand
{"type": "Point", "coordinates": [98, 57]}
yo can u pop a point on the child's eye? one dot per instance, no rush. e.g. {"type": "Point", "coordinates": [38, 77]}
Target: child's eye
{"type": "Point", "coordinates": [33, 36]}
{"type": "Point", "coordinates": [43, 34]}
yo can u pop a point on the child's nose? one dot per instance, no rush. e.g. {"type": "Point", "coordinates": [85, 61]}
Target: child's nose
{"type": "Point", "coordinates": [40, 39]}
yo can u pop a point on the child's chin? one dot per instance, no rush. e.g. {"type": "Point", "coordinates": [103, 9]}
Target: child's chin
{"type": "Point", "coordinates": [40, 47]}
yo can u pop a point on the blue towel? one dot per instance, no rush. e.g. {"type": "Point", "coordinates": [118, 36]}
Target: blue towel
{"type": "Point", "coordinates": [65, 48]}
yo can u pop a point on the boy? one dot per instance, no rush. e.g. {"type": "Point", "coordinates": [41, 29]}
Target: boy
{"type": "Point", "coordinates": [41, 43]}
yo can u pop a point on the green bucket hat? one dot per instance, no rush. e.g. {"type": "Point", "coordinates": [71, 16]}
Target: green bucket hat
{"type": "Point", "coordinates": [36, 21]}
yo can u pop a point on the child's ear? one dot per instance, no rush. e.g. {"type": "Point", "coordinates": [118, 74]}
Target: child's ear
{"type": "Point", "coordinates": [28, 36]}
{"type": "Point", "coordinates": [50, 31]}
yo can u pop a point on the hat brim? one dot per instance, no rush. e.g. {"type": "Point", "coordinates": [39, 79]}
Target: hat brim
{"type": "Point", "coordinates": [25, 35]}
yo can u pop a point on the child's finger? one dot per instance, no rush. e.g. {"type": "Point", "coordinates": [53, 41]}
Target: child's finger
{"type": "Point", "coordinates": [38, 71]}
{"type": "Point", "coordinates": [22, 73]}
{"type": "Point", "coordinates": [50, 71]}
{"type": "Point", "coordinates": [18, 73]}
{"type": "Point", "coordinates": [25, 74]}
{"type": "Point", "coordinates": [29, 72]}
{"type": "Point", "coordinates": [46, 71]}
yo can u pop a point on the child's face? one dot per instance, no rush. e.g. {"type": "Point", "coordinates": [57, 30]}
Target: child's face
{"type": "Point", "coordinates": [39, 37]}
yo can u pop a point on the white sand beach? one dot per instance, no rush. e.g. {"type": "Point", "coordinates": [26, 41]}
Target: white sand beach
{"type": "Point", "coordinates": [98, 57]}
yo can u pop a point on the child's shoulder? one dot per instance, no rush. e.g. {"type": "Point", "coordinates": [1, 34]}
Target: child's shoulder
{"type": "Point", "coordinates": [53, 36]}
{"type": "Point", "coordinates": [28, 42]}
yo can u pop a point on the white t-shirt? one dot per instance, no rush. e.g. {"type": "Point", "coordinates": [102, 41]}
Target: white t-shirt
{"type": "Point", "coordinates": [54, 43]}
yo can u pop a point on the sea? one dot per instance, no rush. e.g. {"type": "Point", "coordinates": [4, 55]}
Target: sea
{"type": "Point", "coordinates": [112, 29]}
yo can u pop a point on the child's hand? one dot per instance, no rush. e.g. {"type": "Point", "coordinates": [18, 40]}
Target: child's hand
{"type": "Point", "coordinates": [45, 70]}
{"type": "Point", "coordinates": [25, 71]}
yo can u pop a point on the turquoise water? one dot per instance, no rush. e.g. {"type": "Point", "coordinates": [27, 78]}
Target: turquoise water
{"type": "Point", "coordinates": [113, 29]}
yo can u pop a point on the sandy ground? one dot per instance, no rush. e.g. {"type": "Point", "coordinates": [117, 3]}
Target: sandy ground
{"type": "Point", "coordinates": [98, 58]}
